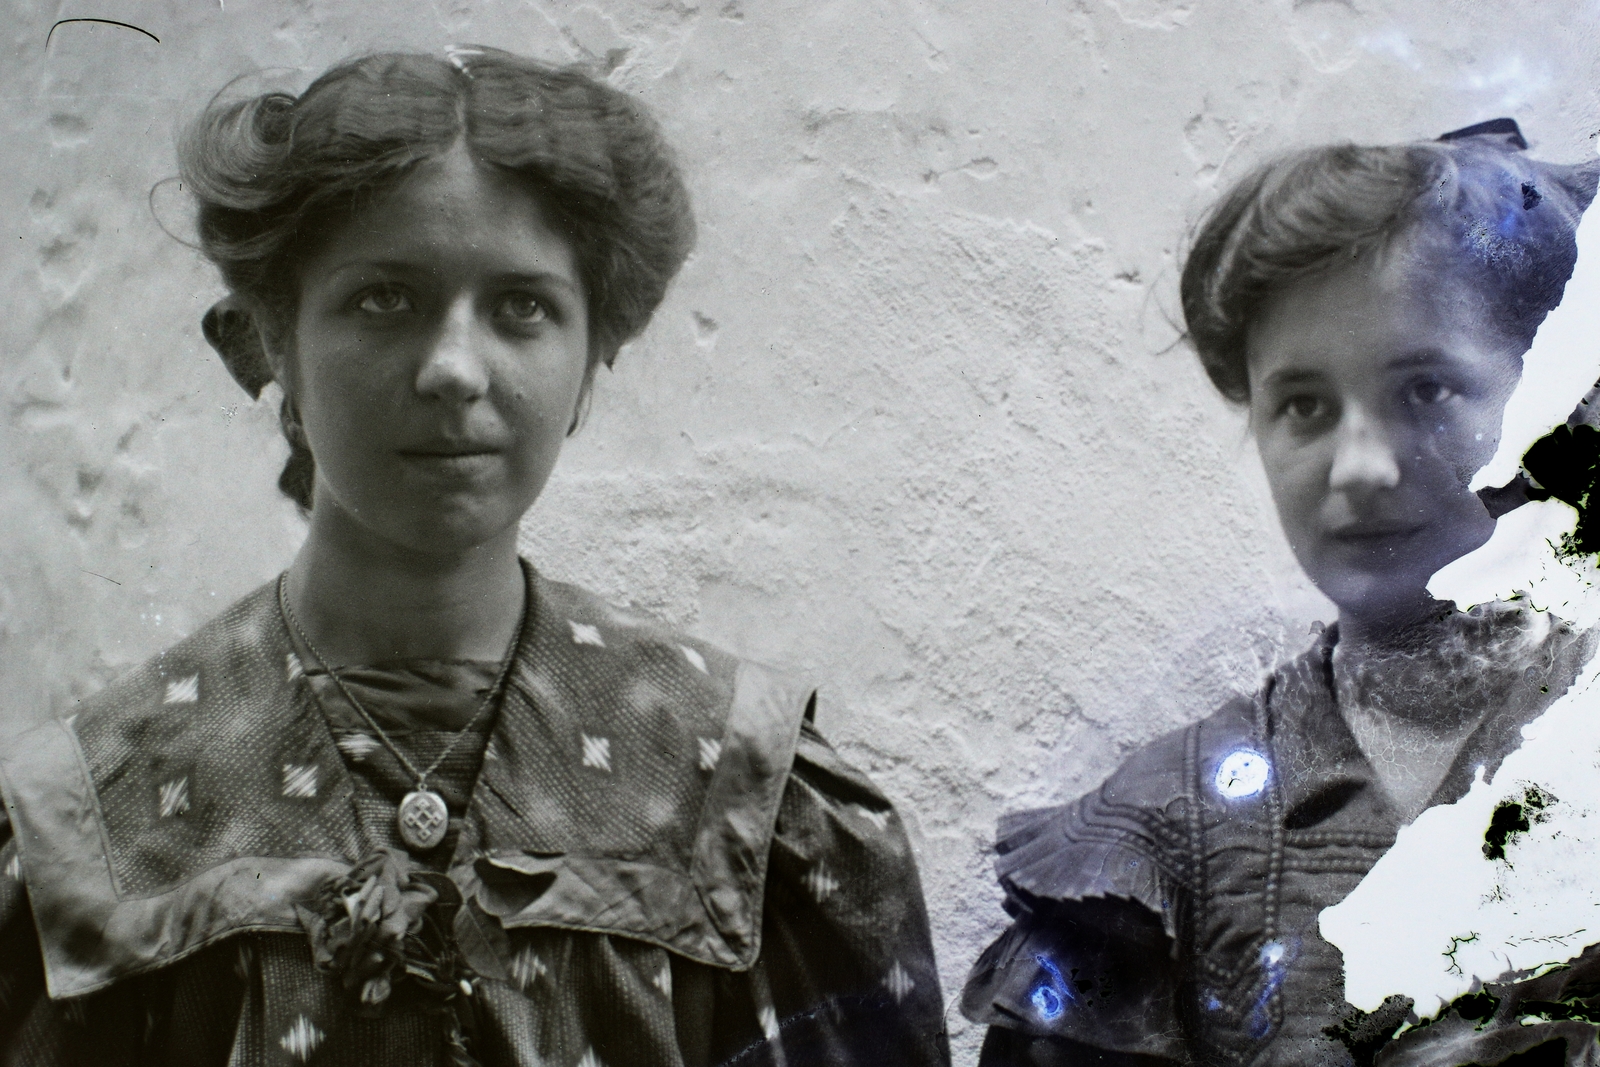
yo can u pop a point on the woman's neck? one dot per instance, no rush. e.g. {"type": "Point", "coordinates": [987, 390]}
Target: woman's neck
{"type": "Point", "coordinates": [1413, 626]}
{"type": "Point", "coordinates": [361, 603]}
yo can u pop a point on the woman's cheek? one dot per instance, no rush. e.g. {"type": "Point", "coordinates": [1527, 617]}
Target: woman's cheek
{"type": "Point", "coordinates": [1474, 438]}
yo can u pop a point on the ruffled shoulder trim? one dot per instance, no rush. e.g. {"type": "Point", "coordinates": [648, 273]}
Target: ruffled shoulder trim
{"type": "Point", "coordinates": [1076, 853]}
{"type": "Point", "coordinates": [1128, 839]}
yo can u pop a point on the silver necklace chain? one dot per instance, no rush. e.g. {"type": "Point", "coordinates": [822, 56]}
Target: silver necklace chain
{"type": "Point", "coordinates": [484, 706]}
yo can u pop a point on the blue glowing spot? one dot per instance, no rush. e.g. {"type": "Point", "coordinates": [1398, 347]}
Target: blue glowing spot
{"type": "Point", "coordinates": [1047, 1002]}
{"type": "Point", "coordinates": [1274, 966]}
{"type": "Point", "coordinates": [1243, 773]}
{"type": "Point", "coordinates": [1213, 1004]}
{"type": "Point", "coordinates": [1050, 995]}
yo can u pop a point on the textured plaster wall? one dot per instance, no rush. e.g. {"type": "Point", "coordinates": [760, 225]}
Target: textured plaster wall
{"type": "Point", "coordinates": [913, 420]}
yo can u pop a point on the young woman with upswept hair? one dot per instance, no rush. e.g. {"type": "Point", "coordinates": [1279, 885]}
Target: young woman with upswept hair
{"type": "Point", "coordinates": [415, 803]}
{"type": "Point", "coordinates": [1370, 307]}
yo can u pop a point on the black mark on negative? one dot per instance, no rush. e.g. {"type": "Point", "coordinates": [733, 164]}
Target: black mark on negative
{"type": "Point", "coordinates": [108, 22]}
{"type": "Point", "coordinates": [1511, 818]}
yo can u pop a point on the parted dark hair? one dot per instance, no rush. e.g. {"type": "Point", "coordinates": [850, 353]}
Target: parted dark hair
{"type": "Point", "coordinates": [1488, 215]}
{"type": "Point", "coordinates": [275, 173]}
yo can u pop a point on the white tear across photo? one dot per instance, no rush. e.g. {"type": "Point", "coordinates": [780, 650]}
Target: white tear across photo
{"type": "Point", "coordinates": [1447, 908]}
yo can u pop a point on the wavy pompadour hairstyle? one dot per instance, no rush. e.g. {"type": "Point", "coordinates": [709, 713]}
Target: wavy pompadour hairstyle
{"type": "Point", "coordinates": [275, 173]}
{"type": "Point", "coordinates": [1491, 217]}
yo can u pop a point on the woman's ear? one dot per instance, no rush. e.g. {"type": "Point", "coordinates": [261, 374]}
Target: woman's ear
{"type": "Point", "coordinates": [234, 329]}
{"type": "Point", "coordinates": [580, 410]}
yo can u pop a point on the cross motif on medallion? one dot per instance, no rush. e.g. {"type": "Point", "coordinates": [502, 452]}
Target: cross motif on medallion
{"type": "Point", "coordinates": [422, 819]}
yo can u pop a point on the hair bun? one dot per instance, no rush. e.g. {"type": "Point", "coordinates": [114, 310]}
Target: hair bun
{"type": "Point", "coordinates": [232, 331]}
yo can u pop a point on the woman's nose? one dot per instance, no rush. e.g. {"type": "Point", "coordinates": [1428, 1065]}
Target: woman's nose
{"type": "Point", "coordinates": [1364, 459]}
{"type": "Point", "coordinates": [454, 367]}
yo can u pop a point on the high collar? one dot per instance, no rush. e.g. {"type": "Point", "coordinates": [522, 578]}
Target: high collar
{"type": "Point", "coordinates": [1326, 780]}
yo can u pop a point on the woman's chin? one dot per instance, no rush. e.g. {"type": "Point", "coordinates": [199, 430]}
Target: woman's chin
{"type": "Point", "coordinates": [448, 536]}
{"type": "Point", "coordinates": [447, 531]}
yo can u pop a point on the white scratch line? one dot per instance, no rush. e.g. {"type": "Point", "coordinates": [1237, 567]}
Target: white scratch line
{"type": "Point", "coordinates": [597, 752]}
{"type": "Point", "coordinates": [663, 981]}
{"type": "Point", "coordinates": [695, 658]}
{"type": "Point", "coordinates": [527, 967]}
{"type": "Point", "coordinates": [183, 690]}
{"type": "Point", "coordinates": [710, 753]}
{"type": "Point", "coordinates": [14, 867]}
{"type": "Point", "coordinates": [174, 797]}
{"type": "Point", "coordinates": [584, 634]}
{"type": "Point", "coordinates": [244, 963]}
{"type": "Point", "coordinates": [296, 670]}
{"type": "Point", "coordinates": [300, 780]}
{"type": "Point", "coordinates": [898, 982]}
{"type": "Point", "coordinates": [302, 1039]}
{"type": "Point", "coordinates": [590, 1059]}
{"type": "Point", "coordinates": [357, 746]}
{"type": "Point", "coordinates": [820, 883]}
{"type": "Point", "coordinates": [769, 1022]}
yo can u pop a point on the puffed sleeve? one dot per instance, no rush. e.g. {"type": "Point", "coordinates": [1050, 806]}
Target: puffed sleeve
{"type": "Point", "coordinates": [1086, 974]}
{"type": "Point", "coordinates": [846, 949]}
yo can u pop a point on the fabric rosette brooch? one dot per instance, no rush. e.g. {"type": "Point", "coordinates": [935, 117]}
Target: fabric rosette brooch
{"type": "Point", "coordinates": [387, 929]}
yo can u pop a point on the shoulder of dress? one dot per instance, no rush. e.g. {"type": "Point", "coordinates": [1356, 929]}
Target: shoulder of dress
{"type": "Point", "coordinates": [594, 660]}
{"type": "Point", "coordinates": [1128, 838]}
{"type": "Point", "coordinates": [616, 646]}
{"type": "Point", "coordinates": [691, 749]}
{"type": "Point", "coordinates": [245, 639]}
{"type": "Point", "coordinates": [192, 798]}
{"type": "Point", "coordinates": [1167, 769]}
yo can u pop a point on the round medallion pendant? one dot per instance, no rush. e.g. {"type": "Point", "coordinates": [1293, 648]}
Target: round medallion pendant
{"type": "Point", "coordinates": [423, 819]}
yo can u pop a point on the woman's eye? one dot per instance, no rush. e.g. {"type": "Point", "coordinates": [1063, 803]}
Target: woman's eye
{"type": "Point", "coordinates": [1304, 408]}
{"type": "Point", "coordinates": [522, 309]}
{"type": "Point", "coordinates": [1429, 392]}
{"type": "Point", "coordinates": [384, 301]}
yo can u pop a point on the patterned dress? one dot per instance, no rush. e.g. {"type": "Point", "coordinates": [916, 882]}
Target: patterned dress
{"type": "Point", "coordinates": [653, 859]}
{"type": "Point", "coordinates": [1170, 916]}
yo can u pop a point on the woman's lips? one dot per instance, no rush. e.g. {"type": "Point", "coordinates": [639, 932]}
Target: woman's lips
{"type": "Point", "coordinates": [1375, 533]}
{"type": "Point", "coordinates": [452, 461]}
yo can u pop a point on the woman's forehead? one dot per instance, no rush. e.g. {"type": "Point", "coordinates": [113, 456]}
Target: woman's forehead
{"type": "Point", "coordinates": [451, 205]}
{"type": "Point", "coordinates": [1372, 314]}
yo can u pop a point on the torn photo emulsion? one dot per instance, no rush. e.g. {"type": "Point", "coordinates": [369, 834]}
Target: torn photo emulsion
{"type": "Point", "coordinates": [885, 532]}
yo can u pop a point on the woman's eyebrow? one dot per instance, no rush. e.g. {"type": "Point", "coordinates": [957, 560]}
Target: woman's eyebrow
{"type": "Point", "coordinates": [1421, 357]}
{"type": "Point", "coordinates": [404, 266]}
{"type": "Point", "coordinates": [541, 278]}
{"type": "Point", "coordinates": [1290, 376]}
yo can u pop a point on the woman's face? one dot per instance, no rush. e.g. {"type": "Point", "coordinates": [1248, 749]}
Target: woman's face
{"type": "Point", "coordinates": [440, 352]}
{"type": "Point", "coordinates": [1375, 395]}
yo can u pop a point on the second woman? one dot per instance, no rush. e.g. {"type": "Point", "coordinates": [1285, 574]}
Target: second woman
{"type": "Point", "coordinates": [1370, 307]}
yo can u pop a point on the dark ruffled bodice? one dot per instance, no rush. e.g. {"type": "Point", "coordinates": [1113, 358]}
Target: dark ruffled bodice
{"type": "Point", "coordinates": [1172, 912]}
